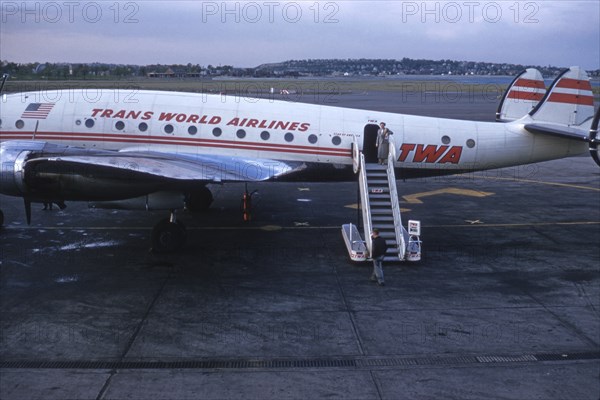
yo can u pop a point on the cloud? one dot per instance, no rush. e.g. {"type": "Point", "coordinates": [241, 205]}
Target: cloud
{"type": "Point", "coordinates": [248, 33]}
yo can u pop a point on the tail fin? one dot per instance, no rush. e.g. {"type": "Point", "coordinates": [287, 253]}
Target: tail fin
{"type": "Point", "coordinates": [569, 100]}
{"type": "Point", "coordinates": [522, 95]}
{"type": "Point", "coordinates": [567, 109]}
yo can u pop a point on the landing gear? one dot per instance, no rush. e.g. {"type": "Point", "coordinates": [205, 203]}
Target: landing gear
{"type": "Point", "coordinates": [246, 206]}
{"type": "Point", "coordinates": [1, 218]}
{"type": "Point", "coordinates": [199, 200]}
{"type": "Point", "coordinates": [168, 235]}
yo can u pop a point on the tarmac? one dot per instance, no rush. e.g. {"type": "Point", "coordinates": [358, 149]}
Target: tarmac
{"type": "Point", "coordinates": [505, 303]}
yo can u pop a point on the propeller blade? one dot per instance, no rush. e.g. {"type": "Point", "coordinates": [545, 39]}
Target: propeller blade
{"type": "Point", "coordinates": [594, 139]}
{"type": "Point", "coordinates": [28, 211]}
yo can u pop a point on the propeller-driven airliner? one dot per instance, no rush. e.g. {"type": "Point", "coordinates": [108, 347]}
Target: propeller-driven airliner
{"type": "Point", "coordinates": [159, 150]}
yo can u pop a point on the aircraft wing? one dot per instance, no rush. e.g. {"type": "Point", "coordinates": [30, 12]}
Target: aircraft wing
{"type": "Point", "coordinates": [204, 168]}
{"type": "Point", "coordinates": [40, 170]}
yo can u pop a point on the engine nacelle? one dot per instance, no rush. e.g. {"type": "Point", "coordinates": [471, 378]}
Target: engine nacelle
{"type": "Point", "coordinates": [197, 200]}
{"type": "Point", "coordinates": [164, 200]}
{"type": "Point", "coordinates": [13, 156]}
{"type": "Point", "coordinates": [35, 170]}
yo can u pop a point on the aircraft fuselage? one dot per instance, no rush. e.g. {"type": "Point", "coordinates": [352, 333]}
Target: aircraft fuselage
{"type": "Point", "coordinates": [187, 123]}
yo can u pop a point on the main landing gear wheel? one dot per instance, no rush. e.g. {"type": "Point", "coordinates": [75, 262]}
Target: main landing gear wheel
{"type": "Point", "coordinates": [168, 236]}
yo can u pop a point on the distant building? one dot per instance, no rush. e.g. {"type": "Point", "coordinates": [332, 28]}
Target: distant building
{"type": "Point", "coordinates": [169, 73]}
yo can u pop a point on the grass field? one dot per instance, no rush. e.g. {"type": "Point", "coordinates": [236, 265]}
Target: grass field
{"type": "Point", "coordinates": [263, 86]}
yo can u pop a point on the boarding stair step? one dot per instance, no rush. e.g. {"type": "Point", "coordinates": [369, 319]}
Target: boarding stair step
{"type": "Point", "coordinates": [375, 166]}
{"type": "Point", "coordinates": [381, 203]}
{"type": "Point", "coordinates": [382, 218]}
{"type": "Point", "coordinates": [379, 196]}
{"type": "Point", "coordinates": [379, 193]}
{"type": "Point", "coordinates": [381, 211]}
{"type": "Point", "coordinates": [383, 228]}
{"type": "Point", "coordinates": [378, 182]}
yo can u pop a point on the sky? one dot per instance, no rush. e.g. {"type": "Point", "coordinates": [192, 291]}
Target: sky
{"type": "Point", "coordinates": [250, 33]}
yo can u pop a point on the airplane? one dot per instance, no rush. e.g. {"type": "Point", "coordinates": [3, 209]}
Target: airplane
{"type": "Point", "coordinates": [158, 150]}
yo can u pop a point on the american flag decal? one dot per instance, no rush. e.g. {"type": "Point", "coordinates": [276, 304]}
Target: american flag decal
{"type": "Point", "coordinates": [37, 110]}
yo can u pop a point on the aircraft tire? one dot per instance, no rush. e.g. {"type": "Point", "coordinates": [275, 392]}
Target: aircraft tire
{"type": "Point", "coordinates": [168, 237]}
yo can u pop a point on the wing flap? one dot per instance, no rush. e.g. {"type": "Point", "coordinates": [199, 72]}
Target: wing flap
{"type": "Point", "coordinates": [205, 168]}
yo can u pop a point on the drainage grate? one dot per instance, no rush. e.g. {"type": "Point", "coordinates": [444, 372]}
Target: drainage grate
{"type": "Point", "coordinates": [567, 357]}
{"type": "Point", "coordinates": [504, 359]}
{"type": "Point", "coordinates": [359, 362]}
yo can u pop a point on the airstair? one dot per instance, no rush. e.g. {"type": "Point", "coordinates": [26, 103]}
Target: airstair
{"type": "Point", "coordinates": [380, 207]}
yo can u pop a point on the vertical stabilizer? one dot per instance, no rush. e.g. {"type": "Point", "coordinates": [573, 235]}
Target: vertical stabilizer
{"type": "Point", "coordinates": [569, 100]}
{"type": "Point", "coordinates": [522, 95]}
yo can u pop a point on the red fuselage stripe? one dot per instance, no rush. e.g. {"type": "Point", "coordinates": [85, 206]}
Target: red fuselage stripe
{"type": "Point", "coordinates": [143, 140]}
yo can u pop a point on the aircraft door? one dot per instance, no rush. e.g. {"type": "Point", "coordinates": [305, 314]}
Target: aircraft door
{"type": "Point", "coordinates": [369, 143]}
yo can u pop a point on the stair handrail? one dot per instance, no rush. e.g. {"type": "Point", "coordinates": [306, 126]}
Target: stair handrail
{"type": "Point", "coordinates": [364, 201]}
{"type": "Point", "coordinates": [391, 176]}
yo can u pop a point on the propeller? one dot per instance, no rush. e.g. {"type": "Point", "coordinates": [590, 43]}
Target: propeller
{"type": "Point", "coordinates": [27, 210]}
{"type": "Point", "coordinates": [594, 139]}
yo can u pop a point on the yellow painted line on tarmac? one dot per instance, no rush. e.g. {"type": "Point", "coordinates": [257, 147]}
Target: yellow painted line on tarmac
{"type": "Point", "coordinates": [148, 228]}
{"type": "Point", "coordinates": [567, 185]}
{"type": "Point", "coordinates": [356, 206]}
{"type": "Point", "coordinates": [519, 225]}
{"type": "Point", "coordinates": [82, 228]}
{"type": "Point", "coordinates": [301, 227]}
{"type": "Point", "coordinates": [416, 198]}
